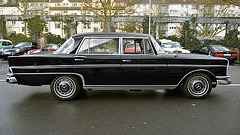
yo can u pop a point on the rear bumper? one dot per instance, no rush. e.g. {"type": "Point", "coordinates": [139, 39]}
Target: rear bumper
{"type": "Point", "coordinates": [223, 80]}
{"type": "Point", "coordinates": [11, 79]}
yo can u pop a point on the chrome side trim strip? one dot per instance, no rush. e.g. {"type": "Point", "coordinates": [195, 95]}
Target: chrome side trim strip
{"type": "Point", "coordinates": [190, 65]}
{"type": "Point", "coordinates": [127, 87]}
{"type": "Point", "coordinates": [111, 65]}
{"type": "Point", "coordinates": [66, 73]}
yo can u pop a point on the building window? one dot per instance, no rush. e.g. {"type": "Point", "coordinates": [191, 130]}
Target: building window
{"type": "Point", "coordinates": [1, 12]}
{"type": "Point", "coordinates": [23, 29]}
{"type": "Point", "coordinates": [13, 22]}
{"type": "Point", "coordinates": [65, 4]}
{"type": "Point", "coordinates": [46, 29]}
{"type": "Point", "coordinates": [95, 29]}
{"type": "Point", "coordinates": [57, 4]}
{"type": "Point", "coordinates": [13, 12]}
{"type": "Point", "coordinates": [89, 25]}
{"type": "Point", "coordinates": [74, 4]}
{"type": "Point", "coordinates": [57, 25]}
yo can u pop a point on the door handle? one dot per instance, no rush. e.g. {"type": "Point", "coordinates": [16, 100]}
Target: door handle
{"type": "Point", "coordinates": [79, 59]}
{"type": "Point", "coordinates": [126, 61]}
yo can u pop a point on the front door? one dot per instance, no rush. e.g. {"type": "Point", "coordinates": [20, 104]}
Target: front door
{"type": "Point", "coordinates": [98, 61]}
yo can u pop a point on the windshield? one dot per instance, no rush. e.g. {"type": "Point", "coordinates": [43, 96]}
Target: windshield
{"type": "Point", "coordinates": [23, 44]}
{"type": "Point", "coordinates": [220, 48]}
{"type": "Point", "coordinates": [157, 46]}
{"type": "Point", "coordinates": [171, 45]}
{"type": "Point", "coordinates": [66, 47]}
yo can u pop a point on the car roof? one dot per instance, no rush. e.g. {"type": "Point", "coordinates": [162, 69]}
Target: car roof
{"type": "Point", "coordinates": [111, 35]}
{"type": "Point", "coordinates": [5, 40]}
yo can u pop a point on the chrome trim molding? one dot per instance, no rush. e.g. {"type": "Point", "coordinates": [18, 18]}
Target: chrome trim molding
{"type": "Point", "coordinates": [11, 79]}
{"type": "Point", "coordinates": [127, 87]}
{"type": "Point", "coordinates": [223, 80]}
{"type": "Point", "coordinates": [110, 65]}
{"type": "Point", "coordinates": [198, 70]}
{"type": "Point", "coordinates": [65, 73]}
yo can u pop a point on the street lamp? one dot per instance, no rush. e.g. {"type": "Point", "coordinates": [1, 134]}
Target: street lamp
{"type": "Point", "coordinates": [149, 25]}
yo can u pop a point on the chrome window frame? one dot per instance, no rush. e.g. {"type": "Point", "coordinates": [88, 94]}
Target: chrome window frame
{"type": "Point", "coordinates": [80, 45]}
{"type": "Point", "coordinates": [122, 51]}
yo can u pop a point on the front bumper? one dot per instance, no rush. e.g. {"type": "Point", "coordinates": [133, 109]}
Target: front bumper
{"type": "Point", "coordinates": [11, 79]}
{"type": "Point", "coordinates": [223, 80]}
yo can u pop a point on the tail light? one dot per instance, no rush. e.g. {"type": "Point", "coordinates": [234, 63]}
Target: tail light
{"type": "Point", "coordinates": [234, 55]}
{"type": "Point", "coordinates": [219, 54]}
{"type": "Point", "coordinates": [10, 70]}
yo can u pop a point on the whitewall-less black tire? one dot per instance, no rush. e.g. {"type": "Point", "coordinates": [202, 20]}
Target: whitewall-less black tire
{"type": "Point", "coordinates": [197, 86]}
{"type": "Point", "coordinates": [65, 87]}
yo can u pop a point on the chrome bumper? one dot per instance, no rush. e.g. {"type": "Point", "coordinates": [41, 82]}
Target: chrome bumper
{"type": "Point", "coordinates": [11, 79]}
{"type": "Point", "coordinates": [223, 80]}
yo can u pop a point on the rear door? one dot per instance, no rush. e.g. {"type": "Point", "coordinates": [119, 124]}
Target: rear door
{"type": "Point", "coordinates": [140, 66]}
{"type": "Point", "coordinates": [98, 61]}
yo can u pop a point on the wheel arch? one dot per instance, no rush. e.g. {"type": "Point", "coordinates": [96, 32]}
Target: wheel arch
{"type": "Point", "coordinates": [207, 72]}
{"type": "Point", "coordinates": [78, 76]}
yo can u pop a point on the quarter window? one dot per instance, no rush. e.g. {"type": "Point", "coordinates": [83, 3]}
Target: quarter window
{"type": "Point", "coordinates": [100, 46]}
{"type": "Point", "coordinates": [136, 46]}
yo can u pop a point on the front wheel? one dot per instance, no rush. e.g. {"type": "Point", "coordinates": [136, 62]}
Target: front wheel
{"type": "Point", "coordinates": [197, 86]}
{"type": "Point", "coordinates": [65, 87]}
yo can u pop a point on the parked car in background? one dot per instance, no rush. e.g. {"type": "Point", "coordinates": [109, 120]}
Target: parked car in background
{"type": "Point", "coordinates": [218, 51]}
{"type": "Point", "coordinates": [172, 47]}
{"type": "Point", "coordinates": [80, 65]}
{"type": "Point", "coordinates": [19, 49]}
{"type": "Point", "coordinates": [5, 44]}
{"type": "Point", "coordinates": [49, 48]}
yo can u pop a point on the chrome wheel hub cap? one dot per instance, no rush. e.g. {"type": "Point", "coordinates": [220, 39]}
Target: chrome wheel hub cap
{"type": "Point", "coordinates": [65, 87]}
{"type": "Point", "coordinates": [198, 86]}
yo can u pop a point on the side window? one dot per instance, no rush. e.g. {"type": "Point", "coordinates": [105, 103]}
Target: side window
{"type": "Point", "coordinates": [5, 43]}
{"type": "Point", "coordinates": [136, 46]}
{"type": "Point", "coordinates": [100, 46]}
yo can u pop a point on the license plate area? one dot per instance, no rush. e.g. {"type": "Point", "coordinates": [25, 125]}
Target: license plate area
{"type": "Point", "coordinates": [227, 54]}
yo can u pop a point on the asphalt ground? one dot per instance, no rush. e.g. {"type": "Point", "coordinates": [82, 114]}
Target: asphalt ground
{"type": "Point", "coordinates": [33, 110]}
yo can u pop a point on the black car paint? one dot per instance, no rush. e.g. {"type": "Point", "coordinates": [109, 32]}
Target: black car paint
{"type": "Point", "coordinates": [130, 70]}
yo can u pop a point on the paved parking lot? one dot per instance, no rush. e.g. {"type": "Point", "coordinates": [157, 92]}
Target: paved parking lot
{"type": "Point", "coordinates": [33, 110]}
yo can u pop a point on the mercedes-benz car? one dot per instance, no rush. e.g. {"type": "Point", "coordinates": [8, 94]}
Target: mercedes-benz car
{"type": "Point", "coordinates": [218, 51]}
{"type": "Point", "coordinates": [100, 61]}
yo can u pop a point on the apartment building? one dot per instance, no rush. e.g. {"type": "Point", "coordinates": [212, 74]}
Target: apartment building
{"type": "Point", "coordinates": [77, 7]}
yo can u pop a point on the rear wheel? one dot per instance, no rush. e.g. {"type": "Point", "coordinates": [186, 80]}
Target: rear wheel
{"type": "Point", "coordinates": [65, 87]}
{"type": "Point", "coordinates": [197, 86]}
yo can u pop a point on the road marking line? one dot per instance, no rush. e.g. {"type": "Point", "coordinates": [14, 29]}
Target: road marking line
{"type": "Point", "coordinates": [231, 85]}
{"type": "Point", "coordinates": [2, 80]}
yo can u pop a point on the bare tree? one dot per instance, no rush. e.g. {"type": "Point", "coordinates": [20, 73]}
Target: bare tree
{"type": "Point", "coordinates": [24, 6]}
{"type": "Point", "coordinates": [104, 10]}
{"type": "Point", "coordinates": [211, 8]}
{"type": "Point", "coordinates": [233, 2]}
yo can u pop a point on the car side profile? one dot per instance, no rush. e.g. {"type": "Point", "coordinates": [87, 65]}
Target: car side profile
{"type": "Point", "coordinates": [103, 61]}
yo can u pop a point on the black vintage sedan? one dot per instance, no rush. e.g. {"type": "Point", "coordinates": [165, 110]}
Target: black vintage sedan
{"type": "Point", "coordinates": [103, 61]}
{"type": "Point", "coordinates": [218, 51]}
{"type": "Point", "coordinates": [19, 49]}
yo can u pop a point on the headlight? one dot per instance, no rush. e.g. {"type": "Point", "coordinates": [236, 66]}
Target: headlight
{"type": "Point", "coordinates": [18, 50]}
